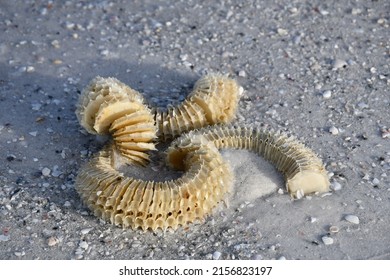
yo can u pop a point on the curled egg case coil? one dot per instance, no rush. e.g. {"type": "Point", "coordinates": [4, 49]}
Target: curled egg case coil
{"type": "Point", "coordinates": [213, 100]}
{"type": "Point", "coordinates": [108, 106]}
{"type": "Point", "coordinates": [152, 205]}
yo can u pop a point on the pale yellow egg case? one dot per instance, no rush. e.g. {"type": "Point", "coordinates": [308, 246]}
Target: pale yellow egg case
{"type": "Point", "coordinates": [107, 106]}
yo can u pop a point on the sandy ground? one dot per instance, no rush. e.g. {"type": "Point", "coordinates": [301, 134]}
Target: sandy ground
{"type": "Point", "coordinates": [316, 69]}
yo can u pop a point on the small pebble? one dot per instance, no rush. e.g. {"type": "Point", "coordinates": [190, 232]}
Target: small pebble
{"type": "Point", "coordinates": [56, 172]}
{"type": "Point", "coordinates": [241, 73]}
{"type": "Point", "coordinates": [327, 94]}
{"type": "Point", "coordinates": [352, 219]}
{"type": "Point", "coordinates": [313, 219]}
{"type": "Point", "coordinates": [385, 133]}
{"type": "Point", "coordinates": [356, 11]}
{"type": "Point", "coordinates": [30, 69]}
{"type": "Point", "coordinates": [57, 61]}
{"type": "Point", "coordinates": [55, 44]}
{"type": "Point", "coordinates": [336, 186]}
{"type": "Point", "coordinates": [46, 171]}
{"type": "Point", "coordinates": [339, 63]}
{"type": "Point", "coordinates": [216, 255]}
{"type": "Point", "coordinates": [183, 57]}
{"type": "Point", "coordinates": [83, 245]}
{"type": "Point", "coordinates": [104, 52]}
{"type": "Point", "coordinates": [375, 181]}
{"type": "Point", "coordinates": [86, 230]}
{"type": "Point", "coordinates": [333, 130]}
{"type": "Point", "coordinates": [327, 240]}
{"type": "Point", "coordinates": [52, 241]}
{"type": "Point", "coordinates": [257, 257]}
{"type": "Point", "coordinates": [282, 31]}
{"type": "Point", "coordinates": [20, 254]}
{"type": "Point", "coordinates": [4, 238]}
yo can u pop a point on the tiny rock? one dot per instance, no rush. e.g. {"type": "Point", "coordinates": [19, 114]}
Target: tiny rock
{"type": "Point", "coordinates": [83, 245]}
{"type": "Point", "coordinates": [327, 240]}
{"type": "Point", "coordinates": [52, 241]}
{"type": "Point", "coordinates": [46, 171]}
{"type": "Point", "coordinates": [282, 32]}
{"type": "Point", "coordinates": [241, 73]}
{"type": "Point", "coordinates": [4, 238]}
{"type": "Point", "coordinates": [339, 63]}
{"type": "Point", "coordinates": [352, 219]}
{"type": "Point", "coordinates": [216, 255]}
{"type": "Point", "coordinates": [336, 186]}
{"type": "Point", "coordinates": [333, 130]}
{"type": "Point", "coordinates": [327, 94]}
{"type": "Point", "coordinates": [86, 230]}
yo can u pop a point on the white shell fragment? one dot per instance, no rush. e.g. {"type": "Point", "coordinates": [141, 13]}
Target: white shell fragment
{"type": "Point", "coordinates": [216, 255]}
{"type": "Point", "coordinates": [339, 63]}
{"type": "Point", "coordinates": [327, 94]}
{"type": "Point", "coordinates": [199, 128]}
{"type": "Point", "coordinates": [52, 241]}
{"type": "Point", "coordinates": [336, 186]}
{"type": "Point", "coordinates": [327, 240]}
{"type": "Point", "coordinates": [334, 229]}
{"type": "Point", "coordinates": [334, 130]}
{"type": "Point", "coordinates": [352, 219]}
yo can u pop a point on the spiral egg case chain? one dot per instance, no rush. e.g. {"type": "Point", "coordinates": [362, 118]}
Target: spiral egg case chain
{"type": "Point", "coordinates": [197, 127]}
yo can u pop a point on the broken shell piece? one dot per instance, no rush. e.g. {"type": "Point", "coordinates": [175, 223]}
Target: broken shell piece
{"type": "Point", "coordinates": [334, 229]}
{"type": "Point", "coordinates": [339, 63]}
{"type": "Point", "coordinates": [352, 219]}
{"type": "Point", "coordinates": [327, 240]}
